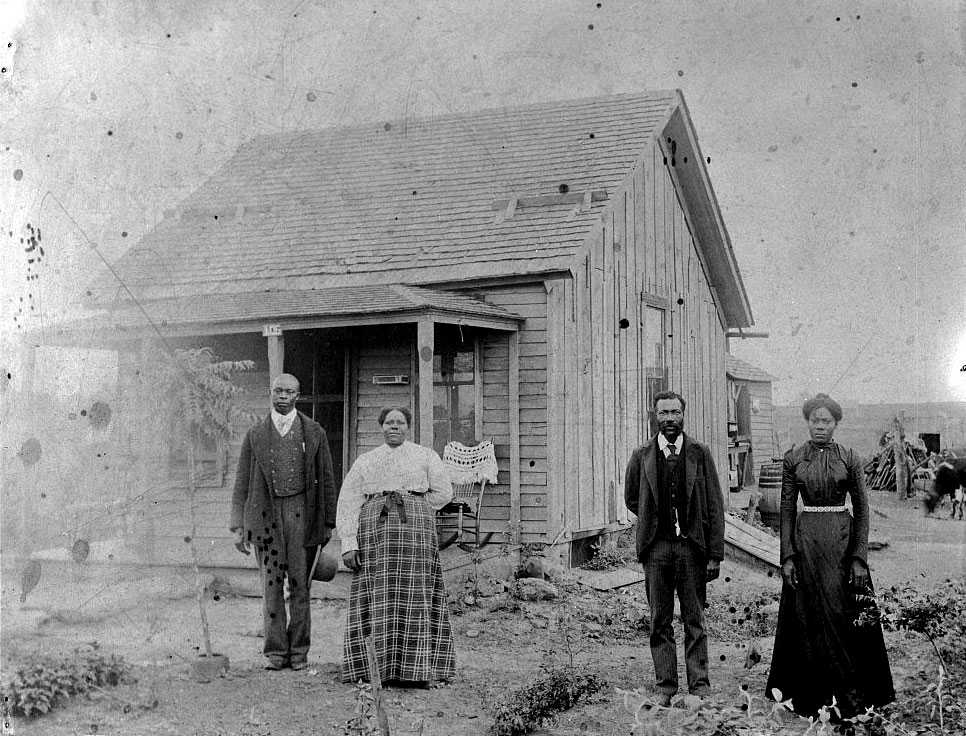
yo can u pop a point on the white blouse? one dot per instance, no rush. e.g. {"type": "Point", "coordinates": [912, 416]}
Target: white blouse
{"type": "Point", "coordinates": [409, 467]}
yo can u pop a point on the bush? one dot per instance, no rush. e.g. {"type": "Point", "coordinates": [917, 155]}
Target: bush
{"type": "Point", "coordinates": [42, 682]}
{"type": "Point", "coordinates": [605, 558]}
{"type": "Point", "coordinates": [557, 689]}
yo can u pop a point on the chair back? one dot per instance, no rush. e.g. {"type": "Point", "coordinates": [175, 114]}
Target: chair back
{"type": "Point", "coordinates": [469, 466]}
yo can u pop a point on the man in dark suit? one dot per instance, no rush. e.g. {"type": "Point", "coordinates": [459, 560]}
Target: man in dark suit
{"type": "Point", "coordinates": [284, 505]}
{"type": "Point", "coordinates": [672, 486]}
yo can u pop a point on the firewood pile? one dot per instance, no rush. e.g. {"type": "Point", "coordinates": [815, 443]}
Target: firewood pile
{"type": "Point", "coordinates": [880, 471]}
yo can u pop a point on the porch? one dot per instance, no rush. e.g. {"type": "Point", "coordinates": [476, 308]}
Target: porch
{"type": "Point", "coordinates": [354, 352]}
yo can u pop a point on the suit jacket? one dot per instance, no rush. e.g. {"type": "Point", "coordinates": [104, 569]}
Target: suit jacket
{"type": "Point", "coordinates": [252, 498]}
{"type": "Point", "coordinates": [704, 519]}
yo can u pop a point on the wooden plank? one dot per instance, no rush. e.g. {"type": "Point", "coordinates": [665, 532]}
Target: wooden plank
{"type": "Point", "coordinates": [544, 200]}
{"type": "Point", "coordinates": [589, 511]}
{"type": "Point", "coordinates": [425, 344]}
{"type": "Point", "coordinates": [609, 329]}
{"type": "Point", "coordinates": [556, 412]}
{"type": "Point", "coordinates": [276, 356]}
{"type": "Point", "coordinates": [657, 233]}
{"type": "Point", "coordinates": [478, 389]}
{"type": "Point", "coordinates": [572, 431]}
{"type": "Point", "coordinates": [514, 422]}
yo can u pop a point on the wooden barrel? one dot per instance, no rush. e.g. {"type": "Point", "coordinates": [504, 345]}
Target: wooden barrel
{"type": "Point", "coordinates": [770, 488]}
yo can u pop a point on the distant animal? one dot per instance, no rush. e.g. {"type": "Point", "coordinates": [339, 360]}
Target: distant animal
{"type": "Point", "coordinates": [29, 577]}
{"type": "Point", "coordinates": [950, 481]}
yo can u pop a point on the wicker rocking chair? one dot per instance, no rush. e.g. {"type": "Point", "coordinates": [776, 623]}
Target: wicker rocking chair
{"type": "Point", "coordinates": [470, 468]}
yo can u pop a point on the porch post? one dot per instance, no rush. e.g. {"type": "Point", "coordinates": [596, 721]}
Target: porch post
{"type": "Point", "coordinates": [514, 420]}
{"type": "Point", "coordinates": [425, 346]}
{"type": "Point", "coordinates": [276, 350]}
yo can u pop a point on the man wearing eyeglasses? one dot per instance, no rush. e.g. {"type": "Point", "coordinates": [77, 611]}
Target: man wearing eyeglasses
{"type": "Point", "coordinates": [283, 505]}
{"type": "Point", "coordinates": [672, 486]}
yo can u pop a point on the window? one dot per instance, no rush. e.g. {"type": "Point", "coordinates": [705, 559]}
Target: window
{"type": "Point", "coordinates": [454, 390]}
{"type": "Point", "coordinates": [655, 364]}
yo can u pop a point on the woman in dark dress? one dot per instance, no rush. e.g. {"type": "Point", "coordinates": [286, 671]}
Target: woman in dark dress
{"type": "Point", "coordinates": [820, 649]}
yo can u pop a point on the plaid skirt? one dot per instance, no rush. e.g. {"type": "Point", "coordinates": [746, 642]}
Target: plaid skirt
{"type": "Point", "coordinates": [397, 595]}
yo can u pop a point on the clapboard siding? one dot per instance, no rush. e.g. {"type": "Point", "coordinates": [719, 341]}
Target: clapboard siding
{"type": "Point", "coordinates": [380, 351]}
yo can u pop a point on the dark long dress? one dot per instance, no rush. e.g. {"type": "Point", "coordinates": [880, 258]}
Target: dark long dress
{"type": "Point", "coordinates": [819, 651]}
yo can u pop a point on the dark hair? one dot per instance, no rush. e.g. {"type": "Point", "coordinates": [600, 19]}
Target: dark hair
{"type": "Point", "coordinates": [822, 401]}
{"type": "Point", "coordinates": [669, 395]}
{"type": "Point", "coordinates": [401, 409]}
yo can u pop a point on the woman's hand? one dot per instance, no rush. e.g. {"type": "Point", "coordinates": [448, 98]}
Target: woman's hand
{"type": "Point", "coordinates": [351, 560]}
{"type": "Point", "coordinates": [789, 573]}
{"type": "Point", "coordinates": [859, 574]}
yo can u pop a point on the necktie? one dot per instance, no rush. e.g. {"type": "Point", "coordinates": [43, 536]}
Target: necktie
{"type": "Point", "coordinates": [672, 458]}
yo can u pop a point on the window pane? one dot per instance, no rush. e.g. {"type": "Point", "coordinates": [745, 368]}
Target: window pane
{"type": "Point", "coordinates": [463, 366]}
{"type": "Point", "coordinates": [464, 420]}
{"type": "Point", "coordinates": [441, 402]}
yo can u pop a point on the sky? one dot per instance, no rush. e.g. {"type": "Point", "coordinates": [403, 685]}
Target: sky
{"type": "Point", "coordinates": [835, 130]}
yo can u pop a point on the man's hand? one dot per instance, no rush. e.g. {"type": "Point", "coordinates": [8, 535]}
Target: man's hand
{"type": "Point", "coordinates": [240, 544]}
{"type": "Point", "coordinates": [351, 560]}
{"type": "Point", "coordinates": [789, 573]}
{"type": "Point", "coordinates": [714, 570]}
{"type": "Point", "coordinates": [859, 575]}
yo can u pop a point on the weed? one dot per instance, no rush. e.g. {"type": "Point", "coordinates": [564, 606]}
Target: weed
{"type": "Point", "coordinates": [557, 689]}
{"type": "Point", "coordinates": [41, 683]}
{"type": "Point", "coordinates": [606, 557]}
{"type": "Point", "coordinates": [364, 721]}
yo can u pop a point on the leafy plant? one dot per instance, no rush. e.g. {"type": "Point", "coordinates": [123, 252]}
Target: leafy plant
{"type": "Point", "coordinates": [195, 397]}
{"type": "Point", "coordinates": [605, 557]}
{"type": "Point", "coordinates": [42, 682]}
{"type": "Point", "coordinates": [363, 721]}
{"type": "Point", "coordinates": [556, 689]}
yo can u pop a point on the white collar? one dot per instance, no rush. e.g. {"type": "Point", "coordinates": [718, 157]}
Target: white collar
{"type": "Point", "coordinates": [662, 443]}
{"type": "Point", "coordinates": [283, 422]}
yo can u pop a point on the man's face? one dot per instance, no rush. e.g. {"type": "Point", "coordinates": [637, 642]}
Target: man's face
{"type": "Point", "coordinates": [285, 391]}
{"type": "Point", "coordinates": [670, 418]}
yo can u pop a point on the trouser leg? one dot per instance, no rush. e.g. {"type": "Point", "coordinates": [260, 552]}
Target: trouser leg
{"type": "Point", "coordinates": [690, 569]}
{"type": "Point", "coordinates": [659, 576]}
{"type": "Point", "coordinates": [273, 605]}
{"type": "Point", "coordinates": [296, 568]}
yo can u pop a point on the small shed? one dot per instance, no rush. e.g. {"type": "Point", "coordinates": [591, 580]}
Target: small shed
{"type": "Point", "coordinates": [751, 422]}
{"type": "Point", "coordinates": [531, 276]}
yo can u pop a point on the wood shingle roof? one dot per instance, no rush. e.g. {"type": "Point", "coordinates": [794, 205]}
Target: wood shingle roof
{"type": "Point", "coordinates": [411, 201]}
{"type": "Point", "coordinates": [743, 371]}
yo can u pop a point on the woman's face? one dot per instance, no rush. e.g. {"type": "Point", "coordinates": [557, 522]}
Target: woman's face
{"type": "Point", "coordinates": [395, 428]}
{"type": "Point", "coordinates": [821, 425]}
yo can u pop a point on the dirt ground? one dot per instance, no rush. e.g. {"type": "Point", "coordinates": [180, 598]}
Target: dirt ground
{"type": "Point", "coordinates": [147, 617]}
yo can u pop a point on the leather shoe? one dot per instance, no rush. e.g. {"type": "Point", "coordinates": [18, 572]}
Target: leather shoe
{"type": "Point", "coordinates": [298, 665]}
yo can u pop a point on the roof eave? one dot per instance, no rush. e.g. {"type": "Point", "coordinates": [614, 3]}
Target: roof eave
{"type": "Point", "coordinates": [712, 235]}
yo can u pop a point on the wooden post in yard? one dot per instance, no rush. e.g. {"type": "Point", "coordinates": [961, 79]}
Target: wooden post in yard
{"type": "Point", "coordinates": [899, 450]}
{"type": "Point", "coordinates": [381, 717]}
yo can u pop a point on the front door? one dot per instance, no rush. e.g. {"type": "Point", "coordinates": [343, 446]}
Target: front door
{"type": "Point", "coordinates": [317, 359]}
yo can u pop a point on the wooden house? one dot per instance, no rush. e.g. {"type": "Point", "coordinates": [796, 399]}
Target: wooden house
{"type": "Point", "coordinates": [530, 276]}
{"type": "Point", "coordinates": [752, 441]}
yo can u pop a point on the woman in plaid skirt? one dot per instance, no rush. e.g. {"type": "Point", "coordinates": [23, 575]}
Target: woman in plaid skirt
{"type": "Point", "coordinates": [387, 523]}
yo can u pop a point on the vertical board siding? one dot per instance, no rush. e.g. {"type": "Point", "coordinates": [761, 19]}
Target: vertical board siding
{"type": "Point", "coordinates": [762, 424]}
{"type": "Point", "coordinates": [696, 348]}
